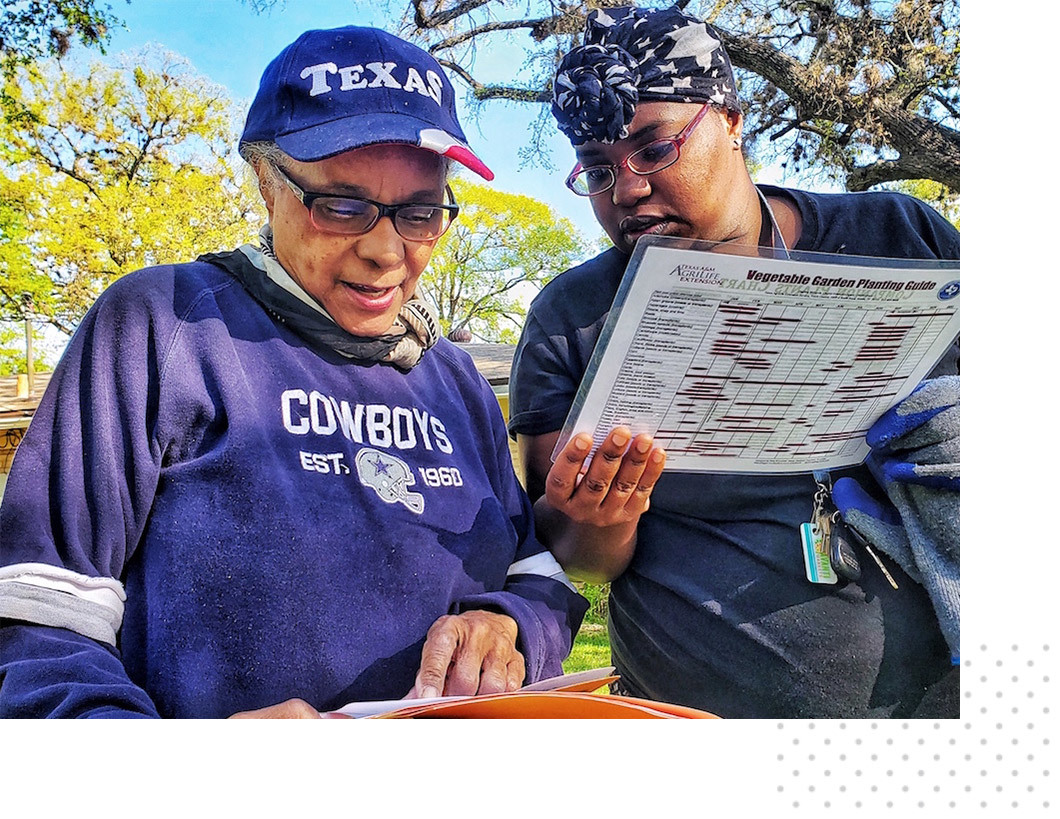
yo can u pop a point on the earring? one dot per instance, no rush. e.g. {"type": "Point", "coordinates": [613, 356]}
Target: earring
{"type": "Point", "coordinates": [737, 142]}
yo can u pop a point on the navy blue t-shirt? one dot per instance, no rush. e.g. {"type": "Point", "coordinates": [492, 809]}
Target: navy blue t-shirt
{"type": "Point", "coordinates": [715, 610]}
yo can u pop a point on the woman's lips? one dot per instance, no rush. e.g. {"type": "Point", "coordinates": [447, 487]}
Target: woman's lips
{"type": "Point", "coordinates": [375, 299]}
{"type": "Point", "coordinates": [633, 227]}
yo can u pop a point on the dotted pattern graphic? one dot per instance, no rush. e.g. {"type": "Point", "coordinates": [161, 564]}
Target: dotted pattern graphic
{"type": "Point", "coordinates": [998, 755]}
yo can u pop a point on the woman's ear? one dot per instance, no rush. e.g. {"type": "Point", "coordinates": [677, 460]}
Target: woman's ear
{"type": "Point", "coordinates": [265, 186]}
{"type": "Point", "coordinates": [734, 127]}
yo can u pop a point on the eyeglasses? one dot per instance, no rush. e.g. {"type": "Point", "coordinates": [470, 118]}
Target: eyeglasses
{"type": "Point", "coordinates": [352, 215]}
{"type": "Point", "coordinates": [654, 157]}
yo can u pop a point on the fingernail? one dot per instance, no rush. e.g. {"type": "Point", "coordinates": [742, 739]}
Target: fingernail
{"type": "Point", "coordinates": [581, 443]}
{"type": "Point", "coordinates": [620, 439]}
{"type": "Point", "coordinates": [658, 455]}
{"type": "Point", "coordinates": [428, 692]}
{"type": "Point", "coordinates": [643, 445]}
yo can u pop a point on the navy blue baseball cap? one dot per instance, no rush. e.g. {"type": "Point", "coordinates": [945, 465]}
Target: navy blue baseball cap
{"type": "Point", "coordinates": [338, 89]}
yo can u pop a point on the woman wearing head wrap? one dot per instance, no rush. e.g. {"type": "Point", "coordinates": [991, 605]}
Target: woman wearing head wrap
{"type": "Point", "coordinates": [709, 605]}
{"type": "Point", "coordinates": [259, 482]}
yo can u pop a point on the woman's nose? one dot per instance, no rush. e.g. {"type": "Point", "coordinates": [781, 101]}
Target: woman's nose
{"type": "Point", "coordinates": [382, 245]}
{"type": "Point", "coordinates": [629, 187]}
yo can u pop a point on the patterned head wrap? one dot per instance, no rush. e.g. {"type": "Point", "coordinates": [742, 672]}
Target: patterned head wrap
{"type": "Point", "coordinates": [629, 55]}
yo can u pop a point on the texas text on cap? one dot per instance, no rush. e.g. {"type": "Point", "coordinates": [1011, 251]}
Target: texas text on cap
{"type": "Point", "coordinates": [335, 90]}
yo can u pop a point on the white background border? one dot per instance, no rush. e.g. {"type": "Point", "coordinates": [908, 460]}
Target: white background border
{"type": "Point", "coordinates": [999, 752]}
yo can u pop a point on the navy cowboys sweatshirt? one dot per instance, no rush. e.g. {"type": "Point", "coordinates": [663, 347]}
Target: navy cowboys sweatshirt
{"type": "Point", "coordinates": [208, 515]}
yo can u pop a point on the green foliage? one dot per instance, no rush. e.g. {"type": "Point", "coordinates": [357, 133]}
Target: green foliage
{"type": "Point", "coordinates": [13, 351]}
{"type": "Point", "coordinates": [597, 595]}
{"type": "Point", "coordinates": [34, 29]}
{"type": "Point", "coordinates": [21, 286]}
{"type": "Point", "coordinates": [591, 649]}
{"type": "Point", "coordinates": [500, 250]}
{"type": "Point", "coordinates": [117, 168]}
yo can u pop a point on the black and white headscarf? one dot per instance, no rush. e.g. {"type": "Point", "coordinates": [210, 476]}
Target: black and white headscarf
{"type": "Point", "coordinates": [629, 55]}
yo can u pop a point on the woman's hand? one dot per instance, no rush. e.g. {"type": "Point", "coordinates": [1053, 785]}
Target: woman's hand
{"type": "Point", "coordinates": [291, 709]}
{"type": "Point", "coordinates": [470, 653]}
{"type": "Point", "coordinates": [616, 487]}
{"type": "Point", "coordinates": [588, 516]}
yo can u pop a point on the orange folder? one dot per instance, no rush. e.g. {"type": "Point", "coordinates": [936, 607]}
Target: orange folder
{"type": "Point", "coordinates": [547, 705]}
{"type": "Point", "coordinates": [571, 696]}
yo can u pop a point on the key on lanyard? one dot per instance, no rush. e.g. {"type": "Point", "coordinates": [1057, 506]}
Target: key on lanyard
{"type": "Point", "coordinates": [815, 535]}
{"type": "Point", "coordinates": [828, 546]}
{"type": "Point", "coordinates": [838, 538]}
{"type": "Point", "coordinates": [859, 538]}
{"type": "Point", "coordinates": [841, 549]}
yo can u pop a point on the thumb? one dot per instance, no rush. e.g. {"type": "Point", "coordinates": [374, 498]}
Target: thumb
{"type": "Point", "coordinates": [876, 522]}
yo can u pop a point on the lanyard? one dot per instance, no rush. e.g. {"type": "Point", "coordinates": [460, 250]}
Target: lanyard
{"type": "Point", "coordinates": [776, 238]}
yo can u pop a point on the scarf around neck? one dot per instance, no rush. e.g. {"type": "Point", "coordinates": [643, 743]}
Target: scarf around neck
{"type": "Point", "coordinates": [415, 330]}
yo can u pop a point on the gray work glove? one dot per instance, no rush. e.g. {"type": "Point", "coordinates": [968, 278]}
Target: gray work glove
{"type": "Point", "coordinates": [917, 460]}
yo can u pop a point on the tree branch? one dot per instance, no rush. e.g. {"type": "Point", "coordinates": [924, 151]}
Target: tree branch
{"type": "Point", "coordinates": [486, 28]}
{"type": "Point", "coordinates": [428, 21]}
{"type": "Point", "coordinates": [492, 92]}
{"type": "Point", "coordinates": [909, 133]}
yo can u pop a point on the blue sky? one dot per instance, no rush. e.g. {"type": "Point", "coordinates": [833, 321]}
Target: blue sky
{"type": "Point", "coordinates": [231, 44]}
{"type": "Point", "coordinates": [227, 41]}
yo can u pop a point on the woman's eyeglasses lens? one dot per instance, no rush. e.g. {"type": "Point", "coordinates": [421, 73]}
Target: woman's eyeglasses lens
{"type": "Point", "coordinates": [654, 157]}
{"type": "Point", "coordinates": [341, 215]}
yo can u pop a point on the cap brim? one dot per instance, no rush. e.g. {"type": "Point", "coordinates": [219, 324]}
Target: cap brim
{"type": "Point", "coordinates": [348, 133]}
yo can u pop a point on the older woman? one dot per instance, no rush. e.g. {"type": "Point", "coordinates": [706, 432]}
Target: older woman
{"type": "Point", "coordinates": [259, 483]}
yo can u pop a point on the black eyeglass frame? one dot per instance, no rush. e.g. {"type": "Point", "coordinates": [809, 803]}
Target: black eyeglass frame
{"type": "Point", "coordinates": [677, 141]}
{"type": "Point", "coordinates": [307, 198]}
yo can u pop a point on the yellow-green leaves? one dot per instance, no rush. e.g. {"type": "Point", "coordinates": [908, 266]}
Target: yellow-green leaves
{"type": "Point", "coordinates": [501, 249]}
{"type": "Point", "coordinates": [120, 167]}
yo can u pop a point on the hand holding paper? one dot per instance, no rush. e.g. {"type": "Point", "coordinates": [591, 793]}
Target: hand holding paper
{"type": "Point", "coordinates": [470, 653]}
{"type": "Point", "coordinates": [616, 486]}
{"type": "Point", "coordinates": [590, 514]}
{"type": "Point", "coordinates": [289, 709]}
{"type": "Point", "coordinates": [746, 364]}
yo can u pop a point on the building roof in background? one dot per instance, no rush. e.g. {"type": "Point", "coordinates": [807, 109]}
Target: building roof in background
{"type": "Point", "coordinates": [15, 411]}
{"type": "Point", "coordinates": [494, 361]}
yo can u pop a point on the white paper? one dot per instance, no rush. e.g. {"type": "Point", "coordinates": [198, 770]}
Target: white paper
{"type": "Point", "coordinates": [739, 363]}
{"type": "Point", "coordinates": [373, 708]}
